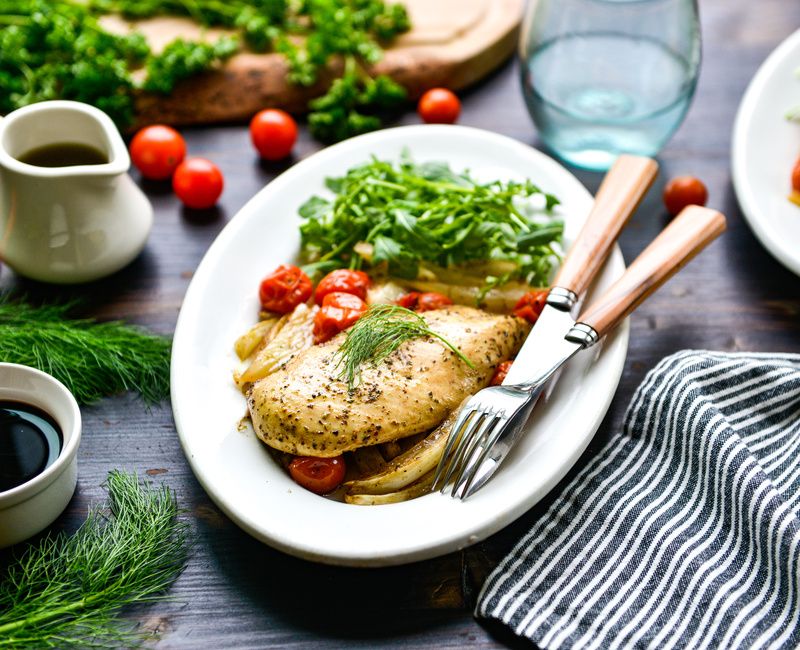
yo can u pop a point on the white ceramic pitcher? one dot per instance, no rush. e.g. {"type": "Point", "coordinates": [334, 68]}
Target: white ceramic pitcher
{"type": "Point", "coordinates": [68, 224]}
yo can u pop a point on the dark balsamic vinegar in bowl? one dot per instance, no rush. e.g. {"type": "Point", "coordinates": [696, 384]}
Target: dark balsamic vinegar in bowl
{"type": "Point", "coordinates": [30, 441]}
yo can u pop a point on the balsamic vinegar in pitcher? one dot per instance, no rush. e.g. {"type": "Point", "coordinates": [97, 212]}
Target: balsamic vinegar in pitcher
{"type": "Point", "coordinates": [64, 154]}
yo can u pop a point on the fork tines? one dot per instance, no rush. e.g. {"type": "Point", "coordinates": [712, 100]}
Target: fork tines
{"type": "Point", "coordinates": [470, 440]}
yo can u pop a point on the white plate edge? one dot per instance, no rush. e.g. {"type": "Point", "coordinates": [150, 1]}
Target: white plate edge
{"type": "Point", "coordinates": [741, 186]}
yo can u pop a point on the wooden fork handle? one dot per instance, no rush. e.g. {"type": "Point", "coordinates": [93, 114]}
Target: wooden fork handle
{"type": "Point", "coordinates": [619, 195]}
{"type": "Point", "coordinates": [689, 233]}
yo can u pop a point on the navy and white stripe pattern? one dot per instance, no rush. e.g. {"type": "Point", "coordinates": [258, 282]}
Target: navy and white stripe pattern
{"type": "Point", "coordinates": [684, 532]}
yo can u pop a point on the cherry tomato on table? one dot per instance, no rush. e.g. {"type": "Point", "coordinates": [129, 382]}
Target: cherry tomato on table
{"type": "Point", "coordinates": [343, 281]}
{"type": "Point", "coordinates": [285, 288]}
{"type": "Point", "coordinates": [320, 475]}
{"type": "Point", "coordinates": [439, 106]}
{"type": "Point", "coordinates": [500, 373]}
{"type": "Point", "coordinates": [338, 312]}
{"type": "Point", "coordinates": [273, 133]}
{"type": "Point", "coordinates": [796, 176]}
{"type": "Point", "coordinates": [198, 183]}
{"type": "Point", "coordinates": [530, 305]}
{"type": "Point", "coordinates": [157, 150]}
{"type": "Point", "coordinates": [424, 301]}
{"type": "Point", "coordinates": [683, 191]}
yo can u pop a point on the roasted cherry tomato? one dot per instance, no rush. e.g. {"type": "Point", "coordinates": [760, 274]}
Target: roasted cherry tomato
{"type": "Point", "coordinates": [530, 305]}
{"type": "Point", "coordinates": [285, 288]}
{"type": "Point", "coordinates": [409, 300]}
{"type": "Point", "coordinates": [198, 183]}
{"type": "Point", "coordinates": [683, 191]}
{"type": "Point", "coordinates": [157, 150]}
{"type": "Point", "coordinates": [423, 301]}
{"type": "Point", "coordinates": [439, 106]}
{"type": "Point", "coordinates": [343, 281]}
{"type": "Point", "coordinates": [273, 133]}
{"type": "Point", "coordinates": [338, 312]}
{"type": "Point", "coordinates": [500, 373]}
{"type": "Point", "coordinates": [320, 475]}
{"type": "Point", "coordinates": [431, 300]}
{"type": "Point", "coordinates": [794, 195]}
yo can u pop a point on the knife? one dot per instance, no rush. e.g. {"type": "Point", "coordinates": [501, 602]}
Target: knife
{"type": "Point", "coordinates": [620, 193]}
{"type": "Point", "coordinates": [678, 243]}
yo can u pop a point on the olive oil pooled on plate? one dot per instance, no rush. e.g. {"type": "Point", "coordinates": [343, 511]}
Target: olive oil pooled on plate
{"type": "Point", "coordinates": [64, 154]}
{"type": "Point", "coordinates": [30, 441]}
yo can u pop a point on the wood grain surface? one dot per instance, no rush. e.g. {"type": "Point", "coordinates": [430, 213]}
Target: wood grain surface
{"type": "Point", "coordinates": [452, 43]}
{"type": "Point", "coordinates": [238, 593]}
{"type": "Point", "coordinates": [686, 236]}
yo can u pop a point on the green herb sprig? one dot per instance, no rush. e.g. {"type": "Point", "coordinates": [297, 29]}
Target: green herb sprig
{"type": "Point", "coordinates": [410, 213]}
{"type": "Point", "coordinates": [353, 104]}
{"type": "Point", "coordinates": [92, 359]}
{"type": "Point", "coordinates": [67, 591]}
{"type": "Point", "coordinates": [378, 333]}
{"type": "Point", "coordinates": [57, 49]}
{"type": "Point", "coordinates": [183, 59]}
{"type": "Point", "coordinates": [53, 49]}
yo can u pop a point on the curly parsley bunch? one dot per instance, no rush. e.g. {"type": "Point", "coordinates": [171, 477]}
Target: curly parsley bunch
{"type": "Point", "coordinates": [51, 49]}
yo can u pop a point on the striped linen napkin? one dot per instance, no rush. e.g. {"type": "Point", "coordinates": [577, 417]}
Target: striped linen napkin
{"type": "Point", "coordinates": [684, 531]}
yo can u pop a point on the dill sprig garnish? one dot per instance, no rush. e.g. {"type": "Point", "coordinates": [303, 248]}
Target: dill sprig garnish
{"type": "Point", "coordinates": [67, 591]}
{"type": "Point", "coordinates": [92, 359]}
{"type": "Point", "coordinates": [378, 333]}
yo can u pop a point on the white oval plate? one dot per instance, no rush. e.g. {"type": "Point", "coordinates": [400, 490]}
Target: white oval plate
{"type": "Point", "coordinates": [236, 469]}
{"type": "Point", "coordinates": [765, 148]}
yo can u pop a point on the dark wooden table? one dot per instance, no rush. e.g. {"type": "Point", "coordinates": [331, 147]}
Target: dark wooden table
{"type": "Point", "coordinates": [237, 592]}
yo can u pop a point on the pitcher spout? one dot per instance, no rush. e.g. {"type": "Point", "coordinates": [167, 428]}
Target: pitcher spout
{"type": "Point", "coordinates": [38, 126]}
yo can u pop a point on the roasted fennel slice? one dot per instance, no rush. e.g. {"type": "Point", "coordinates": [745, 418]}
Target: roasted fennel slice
{"type": "Point", "coordinates": [384, 293]}
{"type": "Point", "coordinates": [260, 333]}
{"type": "Point", "coordinates": [416, 489]}
{"type": "Point", "coordinates": [499, 300]}
{"type": "Point", "coordinates": [409, 466]}
{"type": "Point", "coordinates": [295, 334]}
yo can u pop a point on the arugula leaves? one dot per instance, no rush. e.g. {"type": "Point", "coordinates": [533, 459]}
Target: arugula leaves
{"type": "Point", "coordinates": [406, 214]}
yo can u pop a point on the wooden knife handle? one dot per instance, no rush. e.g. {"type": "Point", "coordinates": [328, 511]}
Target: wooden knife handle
{"type": "Point", "coordinates": [689, 233]}
{"type": "Point", "coordinates": [619, 195]}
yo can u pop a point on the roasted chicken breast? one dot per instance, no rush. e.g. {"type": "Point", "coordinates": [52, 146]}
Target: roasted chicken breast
{"type": "Point", "coordinates": [306, 409]}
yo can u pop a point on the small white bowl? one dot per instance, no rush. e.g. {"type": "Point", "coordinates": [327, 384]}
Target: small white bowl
{"type": "Point", "coordinates": [29, 508]}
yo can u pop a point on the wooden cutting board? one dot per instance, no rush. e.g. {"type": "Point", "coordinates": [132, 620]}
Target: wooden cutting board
{"type": "Point", "coordinates": [453, 43]}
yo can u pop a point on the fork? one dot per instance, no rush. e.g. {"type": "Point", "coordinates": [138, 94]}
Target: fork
{"type": "Point", "coordinates": [490, 422]}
